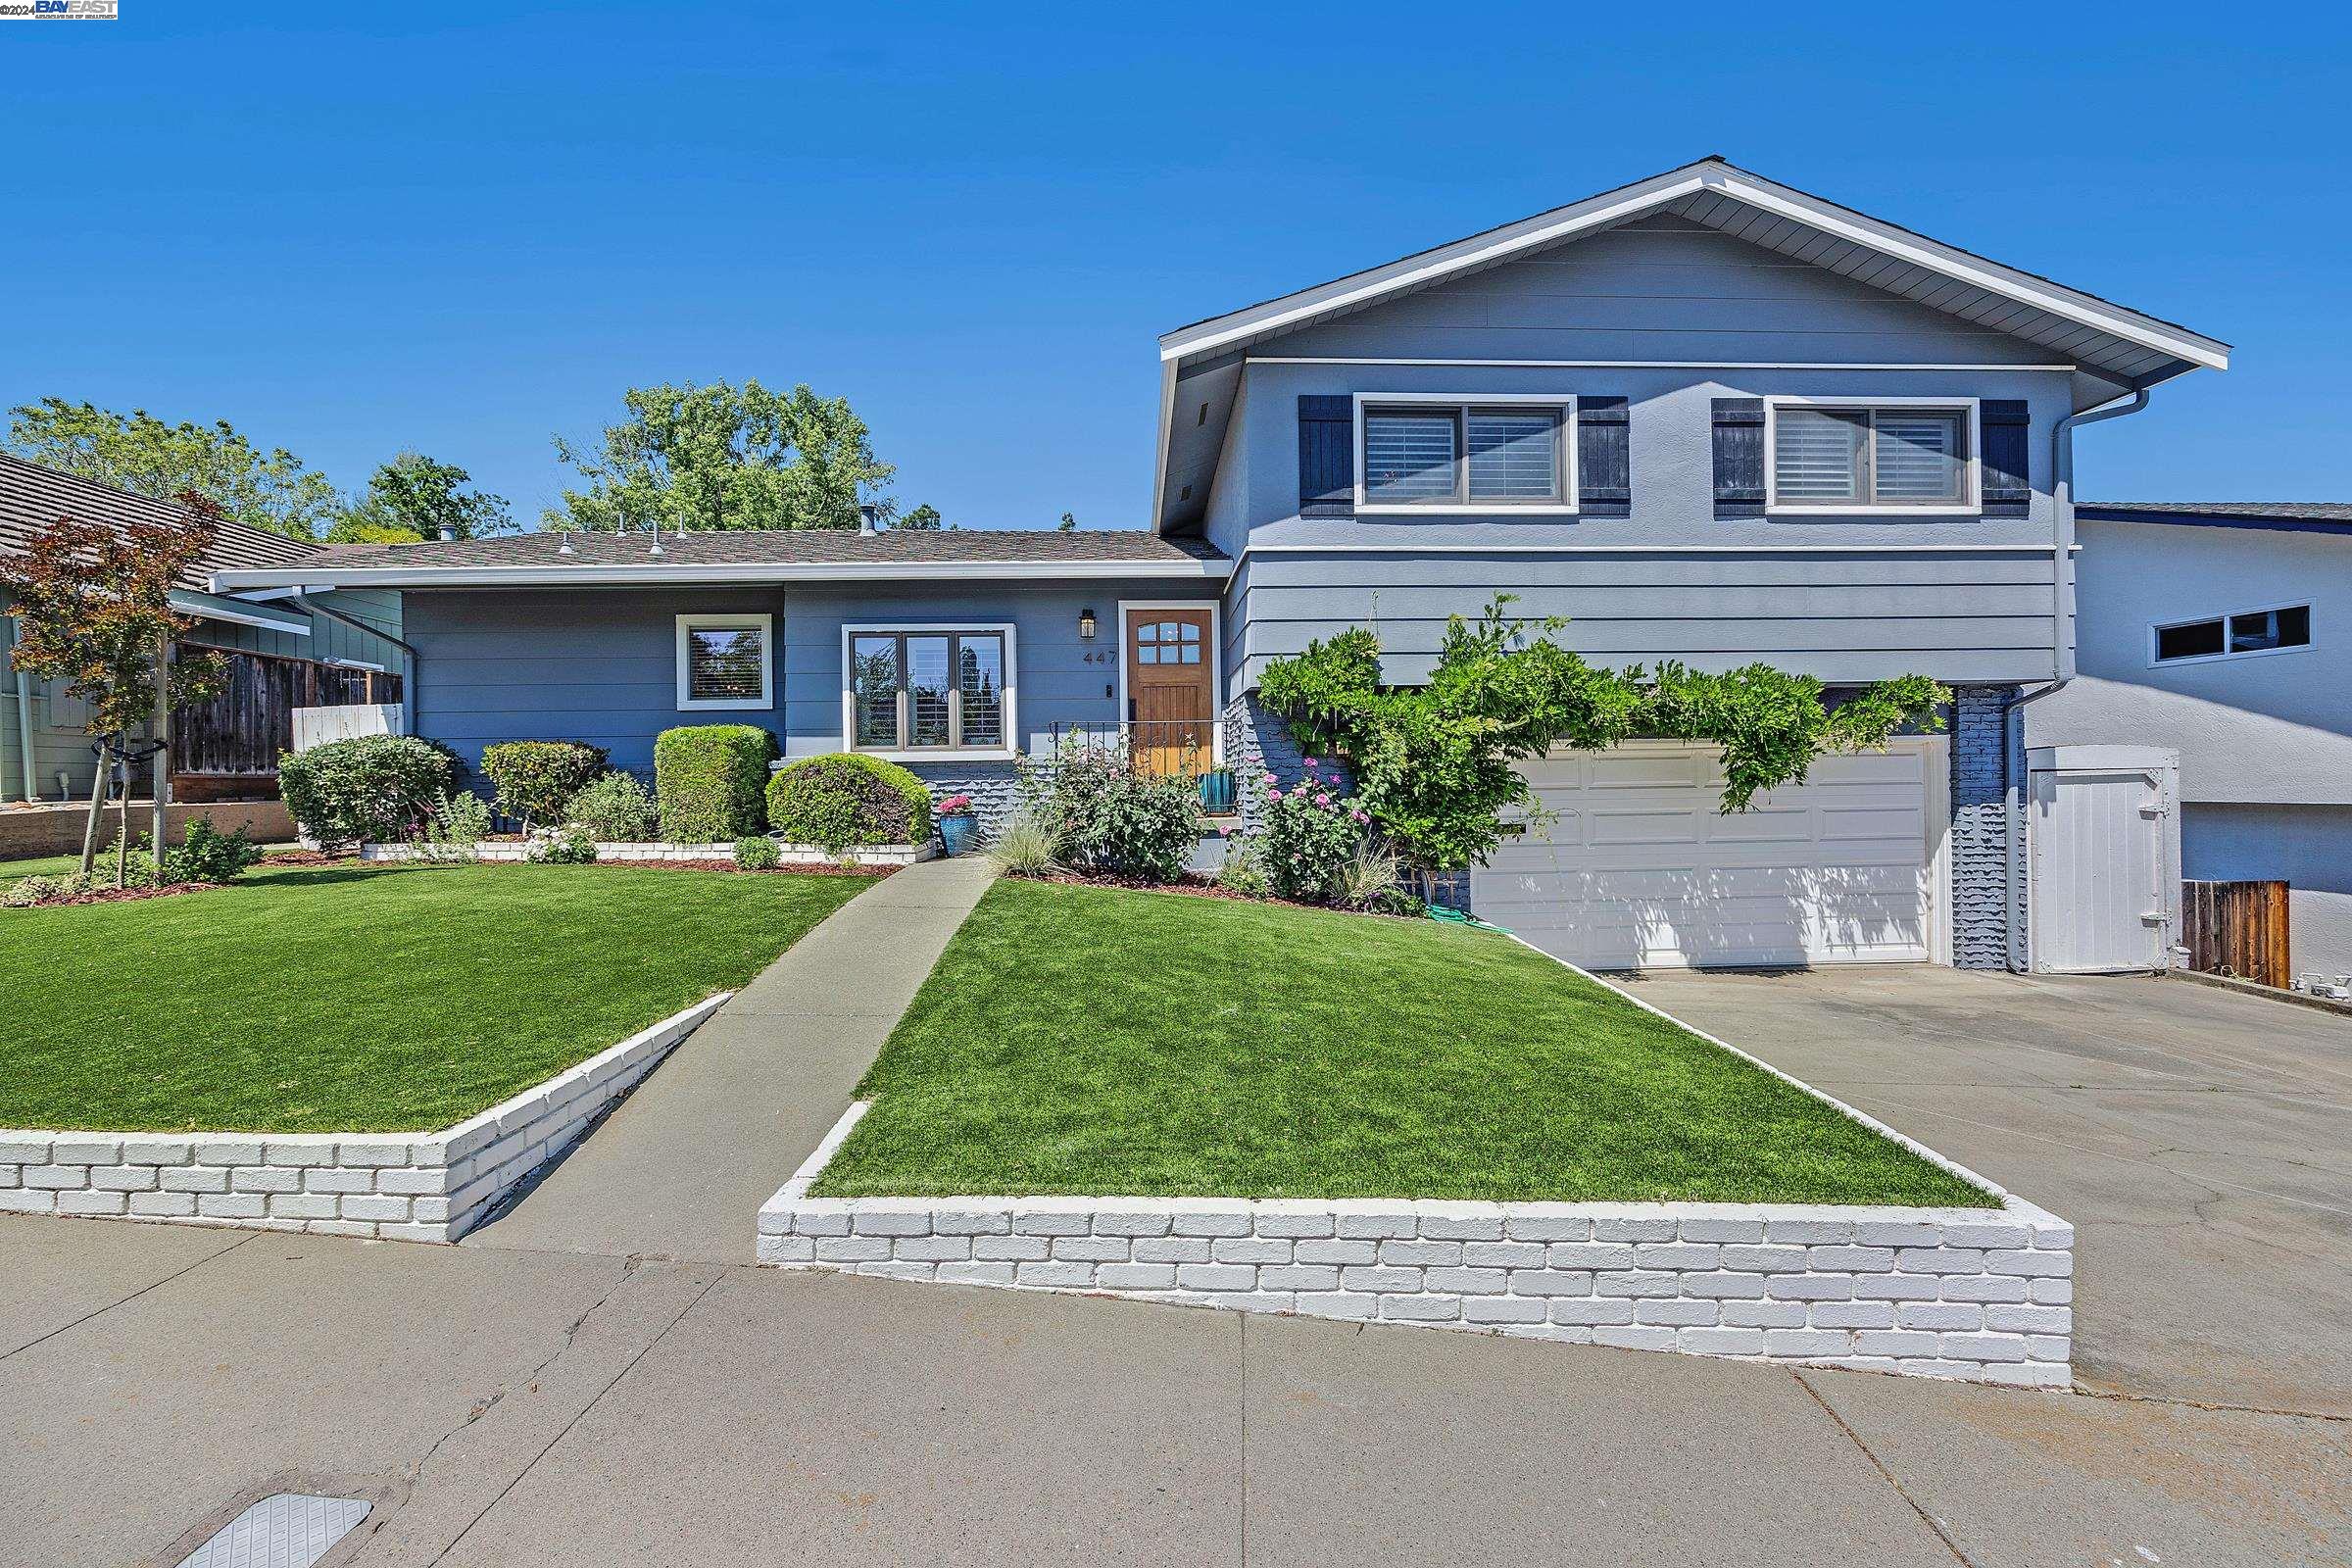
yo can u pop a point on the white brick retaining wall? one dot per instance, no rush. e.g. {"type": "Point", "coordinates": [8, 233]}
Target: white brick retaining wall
{"type": "Point", "coordinates": [1959, 1293]}
{"type": "Point", "coordinates": [786, 854]}
{"type": "Point", "coordinates": [417, 1187]}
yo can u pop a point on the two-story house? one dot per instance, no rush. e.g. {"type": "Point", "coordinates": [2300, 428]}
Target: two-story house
{"type": "Point", "coordinates": [1706, 416]}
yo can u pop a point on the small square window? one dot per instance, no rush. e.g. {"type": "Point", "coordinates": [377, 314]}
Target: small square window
{"type": "Point", "coordinates": [725, 661]}
{"type": "Point", "coordinates": [2199, 639]}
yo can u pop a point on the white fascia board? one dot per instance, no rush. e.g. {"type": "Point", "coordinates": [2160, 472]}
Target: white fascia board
{"type": "Point", "coordinates": [313, 580]}
{"type": "Point", "coordinates": [210, 608]}
{"type": "Point", "coordinates": [1613, 207]}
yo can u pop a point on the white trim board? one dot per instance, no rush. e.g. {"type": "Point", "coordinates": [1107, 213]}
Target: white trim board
{"type": "Point", "coordinates": [1636, 365]}
{"type": "Point", "coordinates": [1709, 175]}
{"type": "Point", "coordinates": [315, 579]}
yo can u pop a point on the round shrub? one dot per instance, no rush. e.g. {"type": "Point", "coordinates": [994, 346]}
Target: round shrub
{"type": "Point", "coordinates": [379, 788]}
{"type": "Point", "coordinates": [708, 778]}
{"type": "Point", "coordinates": [846, 799]}
{"type": "Point", "coordinates": [565, 847]}
{"type": "Point", "coordinates": [537, 779]}
{"type": "Point", "coordinates": [616, 810]}
{"type": "Point", "coordinates": [757, 854]}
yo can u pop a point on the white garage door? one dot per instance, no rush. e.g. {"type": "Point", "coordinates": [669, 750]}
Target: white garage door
{"type": "Point", "coordinates": [1638, 870]}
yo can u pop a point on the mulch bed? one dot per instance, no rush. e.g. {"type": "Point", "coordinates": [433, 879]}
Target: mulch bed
{"type": "Point", "coordinates": [122, 895]}
{"type": "Point", "coordinates": [303, 857]}
{"type": "Point", "coordinates": [730, 865]}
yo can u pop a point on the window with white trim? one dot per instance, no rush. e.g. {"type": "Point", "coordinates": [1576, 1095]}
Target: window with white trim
{"type": "Point", "coordinates": [1834, 457]}
{"type": "Point", "coordinates": [1444, 453]}
{"type": "Point", "coordinates": [725, 661]}
{"type": "Point", "coordinates": [2249, 632]}
{"type": "Point", "coordinates": [927, 690]}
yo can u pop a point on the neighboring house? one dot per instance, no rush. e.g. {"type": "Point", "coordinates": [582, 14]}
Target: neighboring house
{"type": "Point", "coordinates": [1705, 415]}
{"type": "Point", "coordinates": [282, 655]}
{"type": "Point", "coordinates": [2218, 631]}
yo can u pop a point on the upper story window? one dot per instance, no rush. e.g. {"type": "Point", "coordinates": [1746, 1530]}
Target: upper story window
{"type": "Point", "coordinates": [927, 689]}
{"type": "Point", "coordinates": [1838, 454]}
{"type": "Point", "coordinates": [1449, 454]}
{"type": "Point", "coordinates": [725, 661]}
{"type": "Point", "coordinates": [2251, 631]}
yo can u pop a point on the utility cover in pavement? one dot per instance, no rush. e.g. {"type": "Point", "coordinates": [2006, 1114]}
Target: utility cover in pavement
{"type": "Point", "coordinates": [287, 1530]}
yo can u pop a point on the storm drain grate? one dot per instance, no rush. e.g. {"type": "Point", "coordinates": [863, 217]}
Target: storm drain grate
{"type": "Point", "coordinates": [286, 1530]}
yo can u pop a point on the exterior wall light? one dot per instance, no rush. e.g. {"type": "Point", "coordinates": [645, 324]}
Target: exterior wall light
{"type": "Point", "coordinates": [1086, 625]}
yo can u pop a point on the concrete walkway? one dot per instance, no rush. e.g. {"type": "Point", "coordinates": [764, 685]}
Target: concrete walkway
{"type": "Point", "coordinates": [680, 1169]}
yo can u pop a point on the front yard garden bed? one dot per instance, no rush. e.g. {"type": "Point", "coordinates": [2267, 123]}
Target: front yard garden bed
{"type": "Point", "coordinates": [811, 855]}
{"type": "Point", "coordinates": [1272, 1109]}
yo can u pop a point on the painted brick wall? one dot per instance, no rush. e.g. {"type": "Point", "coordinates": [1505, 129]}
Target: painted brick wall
{"type": "Point", "coordinates": [995, 788]}
{"type": "Point", "coordinates": [1981, 918]}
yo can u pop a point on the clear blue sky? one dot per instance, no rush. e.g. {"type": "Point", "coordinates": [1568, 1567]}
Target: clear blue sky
{"type": "Point", "coordinates": [461, 227]}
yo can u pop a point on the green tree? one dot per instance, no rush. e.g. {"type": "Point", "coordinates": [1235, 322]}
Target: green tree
{"type": "Point", "coordinates": [724, 457]}
{"type": "Point", "coordinates": [140, 452]}
{"type": "Point", "coordinates": [1069, 523]}
{"type": "Point", "coordinates": [923, 520]}
{"type": "Point", "coordinates": [414, 496]}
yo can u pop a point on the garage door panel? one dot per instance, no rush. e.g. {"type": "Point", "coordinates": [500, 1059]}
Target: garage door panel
{"type": "Point", "coordinates": [1637, 868]}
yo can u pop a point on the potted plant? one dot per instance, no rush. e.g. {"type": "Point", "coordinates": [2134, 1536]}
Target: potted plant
{"type": "Point", "coordinates": [957, 824]}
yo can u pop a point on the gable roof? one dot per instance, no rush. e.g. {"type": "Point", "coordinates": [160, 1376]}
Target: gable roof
{"type": "Point", "coordinates": [743, 554]}
{"type": "Point", "coordinates": [2284, 517]}
{"type": "Point", "coordinates": [2139, 348]}
{"type": "Point", "coordinates": [2126, 348]}
{"type": "Point", "coordinates": [32, 497]}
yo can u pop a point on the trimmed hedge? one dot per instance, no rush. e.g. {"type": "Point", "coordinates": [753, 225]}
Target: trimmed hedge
{"type": "Point", "coordinates": [707, 779]}
{"type": "Point", "coordinates": [537, 779]}
{"type": "Point", "coordinates": [845, 800]}
{"type": "Point", "coordinates": [378, 788]}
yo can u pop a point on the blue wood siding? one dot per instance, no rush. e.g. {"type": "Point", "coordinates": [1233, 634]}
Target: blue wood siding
{"type": "Point", "coordinates": [599, 665]}
{"type": "Point", "coordinates": [1965, 599]}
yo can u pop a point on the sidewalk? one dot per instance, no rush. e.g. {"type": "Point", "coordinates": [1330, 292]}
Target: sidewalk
{"type": "Point", "coordinates": [680, 1168]}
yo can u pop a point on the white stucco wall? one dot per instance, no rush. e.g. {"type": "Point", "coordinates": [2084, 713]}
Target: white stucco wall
{"type": "Point", "coordinates": [2264, 740]}
{"type": "Point", "coordinates": [2260, 729]}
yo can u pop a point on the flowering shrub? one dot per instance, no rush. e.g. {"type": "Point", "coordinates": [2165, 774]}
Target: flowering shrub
{"type": "Point", "coordinates": [1105, 814]}
{"type": "Point", "coordinates": [956, 806]}
{"type": "Point", "coordinates": [568, 846]}
{"type": "Point", "coordinates": [1310, 834]}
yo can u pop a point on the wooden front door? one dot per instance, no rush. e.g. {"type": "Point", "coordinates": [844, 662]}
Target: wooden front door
{"type": "Point", "coordinates": [1171, 690]}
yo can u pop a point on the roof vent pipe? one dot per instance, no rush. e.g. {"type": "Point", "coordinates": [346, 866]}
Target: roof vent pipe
{"type": "Point", "coordinates": [447, 535]}
{"type": "Point", "coordinates": [869, 520]}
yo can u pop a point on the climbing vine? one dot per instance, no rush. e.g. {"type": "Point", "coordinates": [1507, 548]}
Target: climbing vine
{"type": "Point", "coordinates": [1435, 763]}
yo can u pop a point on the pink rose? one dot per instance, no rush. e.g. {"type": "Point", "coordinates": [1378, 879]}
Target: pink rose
{"type": "Point", "coordinates": [1322, 800]}
{"type": "Point", "coordinates": [1273, 795]}
{"type": "Point", "coordinates": [1312, 762]}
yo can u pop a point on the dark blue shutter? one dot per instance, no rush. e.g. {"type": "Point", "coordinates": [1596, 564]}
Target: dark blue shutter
{"type": "Point", "coordinates": [1326, 456]}
{"type": "Point", "coordinates": [1604, 472]}
{"type": "Point", "coordinates": [2008, 491]}
{"type": "Point", "coordinates": [1738, 431]}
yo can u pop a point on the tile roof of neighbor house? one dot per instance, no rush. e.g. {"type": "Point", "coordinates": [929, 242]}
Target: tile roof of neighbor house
{"type": "Point", "coordinates": [32, 497]}
{"type": "Point", "coordinates": [2286, 516]}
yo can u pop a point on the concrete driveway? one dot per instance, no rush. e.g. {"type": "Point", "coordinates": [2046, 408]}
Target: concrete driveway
{"type": "Point", "coordinates": [512, 1407]}
{"type": "Point", "coordinates": [2200, 1140]}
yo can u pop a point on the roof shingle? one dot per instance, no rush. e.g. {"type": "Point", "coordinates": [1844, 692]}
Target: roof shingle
{"type": "Point", "coordinates": [32, 497]}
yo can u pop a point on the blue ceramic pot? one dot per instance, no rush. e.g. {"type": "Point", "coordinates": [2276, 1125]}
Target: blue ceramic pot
{"type": "Point", "coordinates": [955, 833]}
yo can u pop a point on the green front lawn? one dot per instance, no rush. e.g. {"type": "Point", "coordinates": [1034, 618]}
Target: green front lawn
{"type": "Point", "coordinates": [1097, 1040]}
{"type": "Point", "coordinates": [374, 999]}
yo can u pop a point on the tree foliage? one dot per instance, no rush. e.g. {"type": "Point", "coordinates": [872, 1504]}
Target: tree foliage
{"type": "Point", "coordinates": [140, 453]}
{"type": "Point", "coordinates": [416, 496]}
{"type": "Point", "coordinates": [93, 605]}
{"type": "Point", "coordinates": [924, 519]}
{"type": "Point", "coordinates": [1435, 763]}
{"type": "Point", "coordinates": [723, 457]}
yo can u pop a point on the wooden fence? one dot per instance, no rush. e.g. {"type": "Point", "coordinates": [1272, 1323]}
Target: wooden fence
{"type": "Point", "coordinates": [240, 732]}
{"type": "Point", "coordinates": [2236, 928]}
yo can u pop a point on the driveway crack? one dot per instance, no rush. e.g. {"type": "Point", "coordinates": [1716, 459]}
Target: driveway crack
{"type": "Point", "coordinates": [132, 1297]}
{"type": "Point", "coordinates": [1876, 1463]}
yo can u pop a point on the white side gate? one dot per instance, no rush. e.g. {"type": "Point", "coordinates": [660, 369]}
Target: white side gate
{"type": "Point", "coordinates": [2103, 844]}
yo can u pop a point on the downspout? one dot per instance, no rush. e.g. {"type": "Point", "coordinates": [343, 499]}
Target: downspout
{"type": "Point", "coordinates": [407, 655]}
{"type": "Point", "coordinates": [24, 715]}
{"type": "Point", "coordinates": [2062, 673]}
